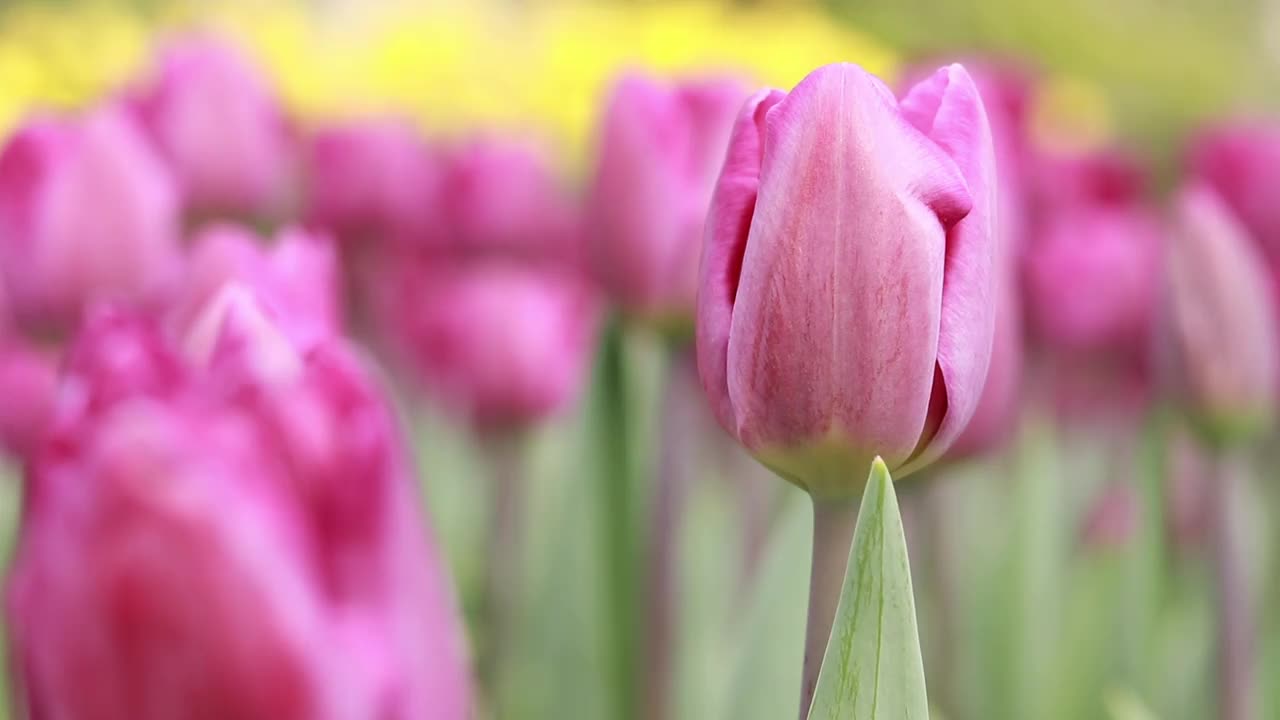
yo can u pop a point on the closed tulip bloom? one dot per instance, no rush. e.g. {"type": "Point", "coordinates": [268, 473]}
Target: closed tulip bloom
{"type": "Point", "coordinates": [220, 128]}
{"type": "Point", "coordinates": [28, 379]}
{"type": "Point", "coordinates": [296, 277]}
{"type": "Point", "coordinates": [660, 150]}
{"type": "Point", "coordinates": [846, 303]}
{"type": "Point", "coordinates": [88, 214]}
{"type": "Point", "coordinates": [1091, 280]}
{"type": "Point", "coordinates": [491, 312]}
{"type": "Point", "coordinates": [501, 198]}
{"type": "Point", "coordinates": [1005, 91]}
{"type": "Point", "coordinates": [1241, 161]}
{"type": "Point", "coordinates": [371, 180]}
{"type": "Point", "coordinates": [202, 539]}
{"type": "Point", "coordinates": [1090, 274]}
{"type": "Point", "coordinates": [501, 344]}
{"type": "Point", "coordinates": [1222, 319]}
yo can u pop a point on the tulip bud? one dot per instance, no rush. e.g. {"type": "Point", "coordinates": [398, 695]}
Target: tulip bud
{"type": "Point", "coordinates": [491, 313]}
{"type": "Point", "coordinates": [845, 307]}
{"type": "Point", "coordinates": [296, 278]}
{"type": "Point", "coordinates": [660, 151]}
{"type": "Point", "coordinates": [27, 383]}
{"type": "Point", "coordinates": [1091, 277]}
{"type": "Point", "coordinates": [1241, 161]}
{"type": "Point", "coordinates": [1004, 90]}
{"type": "Point", "coordinates": [1222, 318]}
{"type": "Point", "coordinates": [220, 128]}
{"type": "Point", "coordinates": [371, 179]}
{"type": "Point", "coordinates": [500, 198]}
{"type": "Point", "coordinates": [205, 539]}
{"type": "Point", "coordinates": [499, 344]}
{"type": "Point", "coordinates": [87, 215]}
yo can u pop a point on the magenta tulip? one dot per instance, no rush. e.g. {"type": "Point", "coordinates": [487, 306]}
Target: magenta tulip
{"type": "Point", "coordinates": [846, 302]}
{"type": "Point", "coordinates": [371, 179]}
{"type": "Point", "coordinates": [1091, 278]}
{"type": "Point", "coordinates": [28, 379]}
{"type": "Point", "coordinates": [87, 215]}
{"type": "Point", "coordinates": [660, 150]}
{"type": "Point", "coordinates": [490, 313]}
{"type": "Point", "coordinates": [500, 344]}
{"type": "Point", "coordinates": [1241, 161]}
{"type": "Point", "coordinates": [221, 129]}
{"type": "Point", "coordinates": [296, 278]}
{"type": "Point", "coordinates": [205, 538]}
{"type": "Point", "coordinates": [500, 198]}
{"type": "Point", "coordinates": [1222, 319]}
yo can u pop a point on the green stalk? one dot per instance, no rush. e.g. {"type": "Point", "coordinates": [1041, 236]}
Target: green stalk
{"type": "Point", "coordinates": [619, 536]}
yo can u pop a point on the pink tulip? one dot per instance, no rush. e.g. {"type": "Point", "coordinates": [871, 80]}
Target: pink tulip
{"type": "Point", "coordinates": [1241, 161]}
{"type": "Point", "coordinates": [846, 302]}
{"type": "Point", "coordinates": [373, 178]}
{"type": "Point", "coordinates": [500, 198]}
{"type": "Point", "coordinates": [501, 344]}
{"type": "Point", "coordinates": [296, 278]}
{"type": "Point", "coordinates": [1091, 277]}
{"type": "Point", "coordinates": [1005, 91]}
{"type": "Point", "coordinates": [219, 126]}
{"type": "Point", "coordinates": [27, 386]}
{"type": "Point", "coordinates": [87, 215]}
{"type": "Point", "coordinates": [490, 313]}
{"type": "Point", "coordinates": [661, 148]}
{"type": "Point", "coordinates": [204, 538]}
{"type": "Point", "coordinates": [1222, 318]}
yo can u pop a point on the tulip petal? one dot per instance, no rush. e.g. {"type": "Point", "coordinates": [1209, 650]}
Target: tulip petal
{"type": "Point", "coordinates": [948, 108]}
{"type": "Point", "coordinates": [836, 330]}
{"type": "Point", "coordinates": [728, 222]}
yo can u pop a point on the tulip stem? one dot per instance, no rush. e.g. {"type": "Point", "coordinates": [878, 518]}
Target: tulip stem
{"type": "Point", "coordinates": [834, 520]}
{"type": "Point", "coordinates": [667, 514]}
{"type": "Point", "coordinates": [505, 538]}
{"type": "Point", "coordinates": [619, 537]}
{"type": "Point", "coordinates": [1236, 661]}
{"type": "Point", "coordinates": [938, 533]}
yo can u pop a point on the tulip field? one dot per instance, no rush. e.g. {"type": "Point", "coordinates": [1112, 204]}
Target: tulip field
{"type": "Point", "coordinates": [696, 360]}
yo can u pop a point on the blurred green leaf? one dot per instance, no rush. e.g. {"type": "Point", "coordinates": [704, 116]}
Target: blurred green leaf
{"type": "Point", "coordinates": [1125, 705]}
{"type": "Point", "coordinates": [770, 634]}
{"type": "Point", "coordinates": [873, 668]}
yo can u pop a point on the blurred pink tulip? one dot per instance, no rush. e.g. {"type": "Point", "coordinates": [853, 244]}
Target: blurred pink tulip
{"type": "Point", "coordinates": [296, 277]}
{"type": "Point", "coordinates": [371, 179]}
{"type": "Point", "coordinates": [660, 150]}
{"type": "Point", "coordinates": [220, 128]}
{"type": "Point", "coordinates": [1222, 318]}
{"type": "Point", "coordinates": [28, 379]}
{"type": "Point", "coordinates": [846, 303]}
{"type": "Point", "coordinates": [1241, 161]}
{"type": "Point", "coordinates": [1091, 278]}
{"type": "Point", "coordinates": [500, 198]}
{"type": "Point", "coordinates": [1090, 273]}
{"type": "Point", "coordinates": [491, 313]}
{"type": "Point", "coordinates": [205, 539]}
{"type": "Point", "coordinates": [87, 215]}
{"type": "Point", "coordinates": [499, 343]}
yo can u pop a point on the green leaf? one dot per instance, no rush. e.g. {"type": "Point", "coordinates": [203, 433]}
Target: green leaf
{"type": "Point", "coordinates": [873, 667]}
{"type": "Point", "coordinates": [1125, 705]}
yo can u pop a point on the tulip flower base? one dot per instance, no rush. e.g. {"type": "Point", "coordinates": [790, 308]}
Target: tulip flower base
{"type": "Point", "coordinates": [873, 666]}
